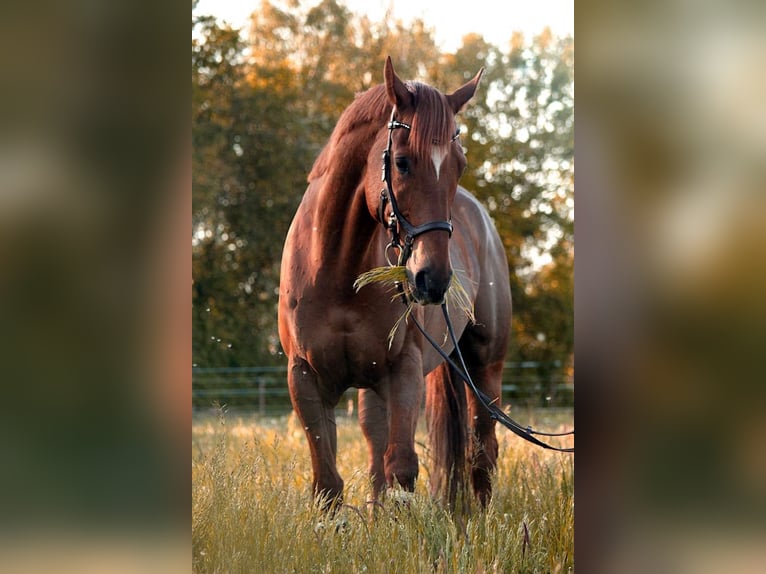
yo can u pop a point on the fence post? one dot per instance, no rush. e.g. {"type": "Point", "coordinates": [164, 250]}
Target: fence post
{"type": "Point", "coordinates": [262, 395]}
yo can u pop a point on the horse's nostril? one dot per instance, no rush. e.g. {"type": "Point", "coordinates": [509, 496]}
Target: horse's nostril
{"type": "Point", "coordinates": [421, 283]}
{"type": "Point", "coordinates": [429, 288]}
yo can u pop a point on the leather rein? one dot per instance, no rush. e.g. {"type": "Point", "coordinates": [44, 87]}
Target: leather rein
{"type": "Point", "coordinates": [398, 223]}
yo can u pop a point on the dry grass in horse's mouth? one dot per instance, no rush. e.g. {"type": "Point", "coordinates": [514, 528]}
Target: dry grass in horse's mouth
{"type": "Point", "coordinates": [396, 275]}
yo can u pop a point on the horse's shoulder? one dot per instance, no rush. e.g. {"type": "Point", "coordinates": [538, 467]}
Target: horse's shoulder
{"type": "Point", "coordinates": [463, 195]}
{"type": "Point", "coordinates": [467, 202]}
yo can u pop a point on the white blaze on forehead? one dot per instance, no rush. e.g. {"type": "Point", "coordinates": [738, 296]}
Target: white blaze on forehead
{"type": "Point", "coordinates": [437, 156]}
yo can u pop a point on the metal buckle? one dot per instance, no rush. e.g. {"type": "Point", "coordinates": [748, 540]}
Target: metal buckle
{"type": "Point", "coordinates": [392, 245]}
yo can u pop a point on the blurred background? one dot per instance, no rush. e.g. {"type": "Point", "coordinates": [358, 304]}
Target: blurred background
{"type": "Point", "coordinates": [670, 283]}
{"type": "Point", "coordinates": [94, 210]}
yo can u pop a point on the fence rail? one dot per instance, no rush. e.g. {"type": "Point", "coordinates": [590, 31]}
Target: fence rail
{"type": "Point", "coordinates": [265, 388]}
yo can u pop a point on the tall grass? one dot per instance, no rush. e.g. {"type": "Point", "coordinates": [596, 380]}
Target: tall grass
{"type": "Point", "coordinates": [252, 510]}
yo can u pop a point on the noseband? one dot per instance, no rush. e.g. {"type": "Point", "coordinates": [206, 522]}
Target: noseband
{"type": "Point", "coordinates": [396, 221]}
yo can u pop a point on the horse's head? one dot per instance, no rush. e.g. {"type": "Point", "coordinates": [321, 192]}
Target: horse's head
{"type": "Point", "coordinates": [421, 167]}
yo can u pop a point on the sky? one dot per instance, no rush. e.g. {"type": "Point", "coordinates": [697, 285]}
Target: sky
{"type": "Point", "coordinates": [496, 20]}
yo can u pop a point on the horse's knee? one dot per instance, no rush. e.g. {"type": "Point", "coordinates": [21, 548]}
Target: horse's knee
{"type": "Point", "coordinates": [402, 467]}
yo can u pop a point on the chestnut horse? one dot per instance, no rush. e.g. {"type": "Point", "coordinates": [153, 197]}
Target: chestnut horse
{"type": "Point", "coordinates": [336, 338]}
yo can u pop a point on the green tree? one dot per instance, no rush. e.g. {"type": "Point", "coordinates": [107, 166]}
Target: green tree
{"type": "Point", "coordinates": [250, 161]}
{"type": "Point", "coordinates": [216, 75]}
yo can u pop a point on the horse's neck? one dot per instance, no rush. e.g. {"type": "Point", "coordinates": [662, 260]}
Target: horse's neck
{"type": "Point", "coordinates": [342, 226]}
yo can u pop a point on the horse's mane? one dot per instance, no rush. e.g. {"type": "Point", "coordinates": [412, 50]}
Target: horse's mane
{"type": "Point", "coordinates": [432, 124]}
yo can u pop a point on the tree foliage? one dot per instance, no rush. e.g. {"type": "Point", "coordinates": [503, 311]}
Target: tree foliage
{"type": "Point", "coordinates": [262, 108]}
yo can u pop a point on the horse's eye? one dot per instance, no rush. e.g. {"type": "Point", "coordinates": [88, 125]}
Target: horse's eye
{"type": "Point", "coordinates": [402, 164]}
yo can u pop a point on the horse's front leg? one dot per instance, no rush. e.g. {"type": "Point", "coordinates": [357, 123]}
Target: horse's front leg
{"type": "Point", "coordinates": [406, 391]}
{"type": "Point", "coordinates": [317, 415]}
{"type": "Point", "coordinates": [373, 418]}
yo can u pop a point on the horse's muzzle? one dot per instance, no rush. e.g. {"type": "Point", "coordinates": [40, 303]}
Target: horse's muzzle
{"type": "Point", "coordinates": [430, 287]}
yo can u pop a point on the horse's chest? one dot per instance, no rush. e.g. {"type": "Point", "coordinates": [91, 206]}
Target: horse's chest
{"type": "Point", "coordinates": [348, 348]}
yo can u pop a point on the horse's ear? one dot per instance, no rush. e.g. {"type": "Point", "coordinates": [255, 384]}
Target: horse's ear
{"type": "Point", "coordinates": [397, 92]}
{"type": "Point", "coordinates": [459, 98]}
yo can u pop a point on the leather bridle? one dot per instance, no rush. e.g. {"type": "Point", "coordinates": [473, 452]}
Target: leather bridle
{"type": "Point", "coordinates": [397, 223]}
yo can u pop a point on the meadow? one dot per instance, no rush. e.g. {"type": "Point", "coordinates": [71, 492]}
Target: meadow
{"type": "Point", "coordinates": [252, 509]}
